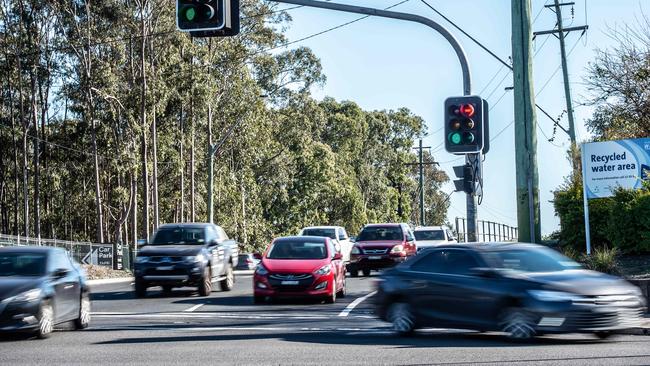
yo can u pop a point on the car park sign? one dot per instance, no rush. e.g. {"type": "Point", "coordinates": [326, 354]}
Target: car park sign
{"type": "Point", "coordinates": [612, 164]}
{"type": "Point", "coordinates": [609, 165]}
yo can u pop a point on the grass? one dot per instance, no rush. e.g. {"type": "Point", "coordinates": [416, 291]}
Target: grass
{"type": "Point", "coordinates": [103, 272]}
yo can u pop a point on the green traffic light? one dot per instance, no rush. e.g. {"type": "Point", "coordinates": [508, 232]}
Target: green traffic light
{"type": "Point", "coordinates": [190, 13]}
{"type": "Point", "coordinates": [455, 138]}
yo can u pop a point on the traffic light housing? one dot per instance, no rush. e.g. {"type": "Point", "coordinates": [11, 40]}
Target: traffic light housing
{"type": "Point", "coordinates": [465, 125]}
{"type": "Point", "coordinates": [208, 18]}
{"type": "Point", "coordinates": [466, 181]}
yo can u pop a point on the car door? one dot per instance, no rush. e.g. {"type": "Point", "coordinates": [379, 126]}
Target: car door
{"type": "Point", "coordinates": [426, 288]}
{"type": "Point", "coordinates": [337, 265]}
{"type": "Point", "coordinates": [411, 247]}
{"type": "Point", "coordinates": [66, 286]}
{"type": "Point", "coordinates": [216, 250]}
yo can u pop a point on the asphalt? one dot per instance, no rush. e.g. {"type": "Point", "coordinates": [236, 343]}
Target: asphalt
{"type": "Point", "coordinates": [227, 328]}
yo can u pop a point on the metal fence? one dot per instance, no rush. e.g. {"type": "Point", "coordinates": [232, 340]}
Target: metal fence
{"type": "Point", "coordinates": [82, 252]}
{"type": "Point", "coordinates": [487, 231]}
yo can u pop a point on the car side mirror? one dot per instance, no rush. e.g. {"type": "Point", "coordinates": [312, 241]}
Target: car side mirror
{"type": "Point", "coordinates": [337, 256]}
{"type": "Point", "coordinates": [484, 272]}
{"type": "Point", "coordinates": [141, 242]}
{"type": "Point", "coordinates": [60, 273]}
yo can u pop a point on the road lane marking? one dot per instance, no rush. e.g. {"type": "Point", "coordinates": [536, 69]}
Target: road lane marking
{"type": "Point", "coordinates": [348, 309]}
{"type": "Point", "coordinates": [206, 315]}
{"type": "Point", "coordinates": [193, 308]}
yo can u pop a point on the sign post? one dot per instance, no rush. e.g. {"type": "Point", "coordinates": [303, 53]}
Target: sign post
{"type": "Point", "coordinates": [610, 165]}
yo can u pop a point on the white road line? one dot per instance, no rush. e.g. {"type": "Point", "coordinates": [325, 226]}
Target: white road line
{"type": "Point", "coordinates": [348, 309]}
{"type": "Point", "coordinates": [193, 308]}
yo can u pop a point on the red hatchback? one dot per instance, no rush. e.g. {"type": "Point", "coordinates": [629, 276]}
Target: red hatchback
{"type": "Point", "coordinates": [300, 266]}
{"type": "Point", "coordinates": [379, 246]}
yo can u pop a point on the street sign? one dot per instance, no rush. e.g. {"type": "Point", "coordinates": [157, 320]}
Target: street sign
{"type": "Point", "coordinates": [612, 164]}
{"type": "Point", "coordinates": [101, 255]}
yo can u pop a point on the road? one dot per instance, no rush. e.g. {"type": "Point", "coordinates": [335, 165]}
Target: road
{"type": "Point", "coordinates": [226, 328]}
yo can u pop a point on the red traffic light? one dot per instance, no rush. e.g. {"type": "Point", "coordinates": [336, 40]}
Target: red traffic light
{"type": "Point", "coordinates": [467, 110]}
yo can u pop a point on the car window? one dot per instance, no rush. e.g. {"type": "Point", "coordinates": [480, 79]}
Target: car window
{"type": "Point", "coordinates": [530, 260]}
{"type": "Point", "coordinates": [409, 235]}
{"type": "Point", "coordinates": [450, 261]}
{"type": "Point", "coordinates": [460, 262]}
{"type": "Point", "coordinates": [60, 260]}
{"type": "Point", "coordinates": [179, 235]}
{"type": "Point", "coordinates": [450, 235]}
{"type": "Point", "coordinates": [328, 233]}
{"type": "Point", "coordinates": [429, 235]}
{"type": "Point", "coordinates": [378, 233]}
{"type": "Point", "coordinates": [22, 264]}
{"type": "Point", "coordinates": [210, 234]}
{"type": "Point", "coordinates": [332, 249]}
{"type": "Point", "coordinates": [222, 233]}
{"type": "Point", "coordinates": [434, 262]}
{"type": "Point", "coordinates": [298, 249]}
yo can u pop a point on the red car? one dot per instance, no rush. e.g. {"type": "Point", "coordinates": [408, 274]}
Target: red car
{"type": "Point", "coordinates": [300, 266]}
{"type": "Point", "coordinates": [380, 246]}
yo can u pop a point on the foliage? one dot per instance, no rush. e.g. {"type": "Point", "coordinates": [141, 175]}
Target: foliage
{"type": "Point", "coordinates": [603, 260]}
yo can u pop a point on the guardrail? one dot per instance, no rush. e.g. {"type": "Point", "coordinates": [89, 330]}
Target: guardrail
{"type": "Point", "coordinates": [487, 231]}
{"type": "Point", "coordinates": [82, 252]}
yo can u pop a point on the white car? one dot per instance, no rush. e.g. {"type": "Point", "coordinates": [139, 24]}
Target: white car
{"type": "Point", "coordinates": [338, 235]}
{"type": "Point", "coordinates": [432, 236]}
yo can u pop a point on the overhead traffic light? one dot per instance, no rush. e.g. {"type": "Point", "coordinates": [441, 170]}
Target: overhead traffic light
{"type": "Point", "coordinates": [466, 181]}
{"type": "Point", "coordinates": [208, 18]}
{"type": "Point", "coordinates": [465, 120]}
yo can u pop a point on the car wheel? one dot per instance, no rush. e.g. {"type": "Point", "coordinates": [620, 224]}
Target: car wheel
{"type": "Point", "coordinates": [603, 335]}
{"type": "Point", "coordinates": [258, 299]}
{"type": "Point", "coordinates": [332, 298]}
{"type": "Point", "coordinates": [402, 318]}
{"type": "Point", "coordinates": [366, 272]}
{"type": "Point", "coordinates": [228, 282]}
{"type": "Point", "coordinates": [140, 289]}
{"type": "Point", "coordinates": [45, 320]}
{"type": "Point", "coordinates": [167, 289]}
{"type": "Point", "coordinates": [354, 272]}
{"type": "Point", "coordinates": [83, 321]}
{"type": "Point", "coordinates": [205, 287]}
{"type": "Point", "coordinates": [343, 290]}
{"type": "Point", "coordinates": [518, 324]}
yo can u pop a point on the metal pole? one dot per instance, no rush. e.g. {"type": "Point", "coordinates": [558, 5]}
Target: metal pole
{"type": "Point", "coordinates": [528, 212]}
{"type": "Point", "coordinates": [422, 221]}
{"type": "Point", "coordinates": [585, 200]}
{"type": "Point", "coordinates": [565, 74]}
{"type": "Point", "coordinates": [460, 52]}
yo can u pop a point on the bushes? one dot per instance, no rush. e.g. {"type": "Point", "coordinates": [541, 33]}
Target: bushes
{"type": "Point", "coordinates": [601, 259]}
{"type": "Point", "coordinates": [621, 222]}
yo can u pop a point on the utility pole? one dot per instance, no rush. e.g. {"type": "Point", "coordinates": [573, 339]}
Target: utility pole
{"type": "Point", "coordinates": [421, 165]}
{"type": "Point", "coordinates": [560, 33]}
{"type": "Point", "coordinates": [528, 212]}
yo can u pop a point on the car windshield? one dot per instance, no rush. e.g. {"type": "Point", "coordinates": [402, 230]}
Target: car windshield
{"type": "Point", "coordinates": [179, 235]}
{"type": "Point", "coordinates": [329, 233]}
{"type": "Point", "coordinates": [297, 249]}
{"type": "Point", "coordinates": [530, 260]}
{"type": "Point", "coordinates": [22, 264]}
{"type": "Point", "coordinates": [429, 235]}
{"type": "Point", "coordinates": [380, 233]}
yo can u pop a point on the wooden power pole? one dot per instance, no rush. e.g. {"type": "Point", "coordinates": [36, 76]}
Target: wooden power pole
{"type": "Point", "coordinates": [528, 213]}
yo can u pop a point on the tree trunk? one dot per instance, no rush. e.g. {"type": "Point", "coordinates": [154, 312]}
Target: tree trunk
{"type": "Point", "coordinates": [156, 211]}
{"type": "Point", "coordinates": [14, 141]}
{"type": "Point", "coordinates": [37, 177]}
{"type": "Point", "coordinates": [182, 177]}
{"type": "Point", "coordinates": [143, 122]}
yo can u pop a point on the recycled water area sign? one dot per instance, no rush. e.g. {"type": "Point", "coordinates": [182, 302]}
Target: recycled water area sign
{"type": "Point", "coordinates": [609, 165]}
{"type": "Point", "coordinates": [613, 164]}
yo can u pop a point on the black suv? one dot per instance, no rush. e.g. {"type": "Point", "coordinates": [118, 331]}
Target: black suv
{"type": "Point", "coordinates": [182, 255]}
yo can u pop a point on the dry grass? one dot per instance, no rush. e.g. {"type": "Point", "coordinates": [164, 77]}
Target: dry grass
{"type": "Point", "coordinates": [102, 272]}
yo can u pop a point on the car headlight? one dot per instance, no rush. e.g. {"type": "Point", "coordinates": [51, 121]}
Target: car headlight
{"type": "Point", "coordinates": [194, 258]}
{"type": "Point", "coordinates": [143, 259]}
{"type": "Point", "coordinates": [261, 270]}
{"type": "Point", "coordinates": [355, 250]}
{"type": "Point", "coordinates": [554, 296]}
{"type": "Point", "coordinates": [29, 296]}
{"type": "Point", "coordinates": [397, 249]}
{"type": "Point", "coordinates": [323, 270]}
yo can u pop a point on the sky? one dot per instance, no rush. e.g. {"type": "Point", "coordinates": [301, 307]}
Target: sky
{"type": "Point", "coordinates": [388, 64]}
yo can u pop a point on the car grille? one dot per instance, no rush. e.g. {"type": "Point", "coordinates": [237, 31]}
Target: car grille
{"type": "Point", "coordinates": [615, 318]}
{"type": "Point", "coordinates": [165, 259]}
{"type": "Point", "coordinates": [172, 272]}
{"type": "Point", "coordinates": [609, 300]}
{"type": "Point", "coordinates": [373, 251]}
{"type": "Point", "coordinates": [304, 281]}
{"type": "Point", "coordinates": [290, 276]}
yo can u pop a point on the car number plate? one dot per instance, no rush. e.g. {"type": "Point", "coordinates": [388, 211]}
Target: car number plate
{"type": "Point", "coordinates": [290, 282]}
{"type": "Point", "coordinates": [374, 257]}
{"type": "Point", "coordinates": [166, 268]}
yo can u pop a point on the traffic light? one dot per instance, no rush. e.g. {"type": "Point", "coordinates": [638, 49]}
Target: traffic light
{"type": "Point", "coordinates": [208, 18]}
{"type": "Point", "coordinates": [465, 119]}
{"type": "Point", "coordinates": [466, 181]}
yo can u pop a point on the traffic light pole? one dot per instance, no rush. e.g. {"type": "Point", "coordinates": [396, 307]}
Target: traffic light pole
{"type": "Point", "coordinates": [474, 159]}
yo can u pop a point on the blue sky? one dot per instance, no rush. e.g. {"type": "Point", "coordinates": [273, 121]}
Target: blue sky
{"type": "Point", "coordinates": [388, 64]}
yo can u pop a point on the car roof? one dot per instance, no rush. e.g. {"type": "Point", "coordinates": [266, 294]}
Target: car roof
{"type": "Point", "coordinates": [491, 246]}
{"type": "Point", "coordinates": [389, 224]}
{"type": "Point", "coordinates": [296, 237]}
{"type": "Point", "coordinates": [186, 224]}
{"type": "Point", "coordinates": [422, 228]}
{"type": "Point", "coordinates": [29, 249]}
{"type": "Point", "coordinates": [321, 227]}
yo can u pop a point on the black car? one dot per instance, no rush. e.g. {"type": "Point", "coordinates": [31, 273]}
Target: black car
{"type": "Point", "coordinates": [521, 289]}
{"type": "Point", "coordinates": [193, 254]}
{"type": "Point", "coordinates": [41, 287]}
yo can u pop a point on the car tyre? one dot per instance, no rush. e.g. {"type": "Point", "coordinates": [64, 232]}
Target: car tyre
{"type": "Point", "coordinates": [205, 286]}
{"type": "Point", "coordinates": [83, 321]}
{"type": "Point", "coordinates": [332, 298]}
{"type": "Point", "coordinates": [343, 291]}
{"type": "Point", "coordinates": [354, 271]}
{"type": "Point", "coordinates": [140, 289]}
{"type": "Point", "coordinates": [45, 320]}
{"type": "Point", "coordinates": [229, 282]}
{"type": "Point", "coordinates": [258, 299]}
{"type": "Point", "coordinates": [167, 290]}
{"type": "Point", "coordinates": [603, 335]}
{"type": "Point", "coordinates": [400, 315]}
{"type": "Point", "coordinates": [518, 324]}
{"type": "Point", "coordinates": [366, 272]}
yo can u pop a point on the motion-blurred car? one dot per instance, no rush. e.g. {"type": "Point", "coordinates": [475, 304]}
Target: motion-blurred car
{"type": "Point", "coordinates": [338, 235]}
{"type": "Point", "coordinates": [41, 287]}
{"type": "Point", "coordinates": [247, 262]}
{"type": "Point", "coordinates": [380, 246]}
{"type": "Point", "coordinates": [192, 254]}
{"type": "Point", "coordinates": [522, 290]}
{"type": "Point", "coordinates": [300, 266]}
{"type": "Point", "coordinates": [433, 236]}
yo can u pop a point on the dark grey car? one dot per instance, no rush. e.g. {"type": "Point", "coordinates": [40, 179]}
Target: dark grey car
{"type": "Point", "coordinates": [521, 289]}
